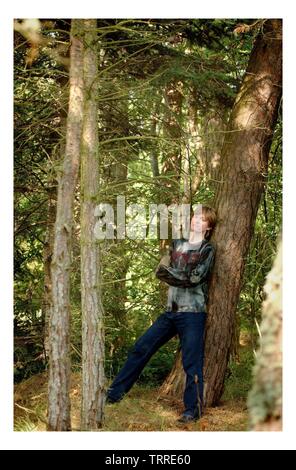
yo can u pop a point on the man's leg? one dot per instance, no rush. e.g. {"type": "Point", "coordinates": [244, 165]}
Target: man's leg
{"type": "Point", "coordinates": [158, 334]}
{"type": "Point", "coordinates": [191, 331]}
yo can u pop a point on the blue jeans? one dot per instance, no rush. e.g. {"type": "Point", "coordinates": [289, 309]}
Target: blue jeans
{"type": "Point", "coordinates": [190, 328]}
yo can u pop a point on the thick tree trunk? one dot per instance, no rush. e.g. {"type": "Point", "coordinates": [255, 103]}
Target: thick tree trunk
{"type": "Point", "coordinates": [265, 399]}
{"type": "Point", "coordinates": [93, 377]}
{"type": "Point", "coordinates": [59, 367]}
{"type": "Point", "coordinates": [244, 161]}
{"type": "Point", "coordinates": [244, 164]}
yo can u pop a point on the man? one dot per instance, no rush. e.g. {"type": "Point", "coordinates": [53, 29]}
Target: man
{"type": "Point", "coordinates": [187, 272]}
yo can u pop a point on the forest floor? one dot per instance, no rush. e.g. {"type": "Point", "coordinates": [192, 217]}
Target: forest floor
{"type": "Point", "coordinates": [140, 410]}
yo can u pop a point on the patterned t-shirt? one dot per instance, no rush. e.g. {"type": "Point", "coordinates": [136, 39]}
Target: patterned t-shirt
{"type": "Point", "coordinates": [188, 275]}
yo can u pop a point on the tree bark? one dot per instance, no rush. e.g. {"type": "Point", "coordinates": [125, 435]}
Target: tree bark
{"type": "Point", "coordinates": [174, 384]}
{"type": "Point", "coordinates": [244, 164]}
{"type": "Point", "coordinates": [172, 131]}
{"type": "Point", "coordinates": [171, 164]}
{"type": "Point", "coordinates": [49, 238]}
{"type": "Point", "coordinates": [153, 151]}
{"type": "Point", "coordinates": [59, 368]}
{"type": "Point", "coordinates": [47, 258]}
{"type": "Point", "coordinates": [93, 377]}
{"type": "Point", "coordinates": [265, 398]}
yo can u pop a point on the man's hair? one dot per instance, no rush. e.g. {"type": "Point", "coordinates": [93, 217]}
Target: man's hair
{"type": "Point", "coordinates": [211, 217]}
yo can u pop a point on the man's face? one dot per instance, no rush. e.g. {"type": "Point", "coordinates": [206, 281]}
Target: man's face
{"type": "Point", "coordinates": [199, 224]}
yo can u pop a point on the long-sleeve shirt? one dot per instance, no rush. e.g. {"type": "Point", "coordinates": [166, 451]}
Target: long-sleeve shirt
{"type": "Point", "coordinates": [188, 275]}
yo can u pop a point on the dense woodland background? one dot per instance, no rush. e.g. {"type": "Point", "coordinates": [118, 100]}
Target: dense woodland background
{"type": "Point", "coordinates": [163, 93]}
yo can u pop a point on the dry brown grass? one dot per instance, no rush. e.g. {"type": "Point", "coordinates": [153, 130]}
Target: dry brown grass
{"type": "Point", "coordinates": [140, 410]}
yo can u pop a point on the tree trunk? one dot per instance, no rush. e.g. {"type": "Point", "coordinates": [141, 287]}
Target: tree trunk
{"type": "Point", "coordinates": [93, 377]}
{"type": "Point", "coordinates": [114, 119]}
{"type": "Point", "coordinates": [244, 164]}
{"type": "Point", "coordinates": [171, 164]}
{"type": "Point", "coordinates": [154, 149]}
{"type": "Point", "coordinates": [59, 368]}
{"type": "Point", "coordinates": [47, 257]}
{"type": "Point", "coordinates": [172, 131]}
{"type": "Point", "coordinates": [265, 399]}
{"type": "Point", "coordinates": [49, 237]}
{"type": "Point", "coordinates": [194, 145]}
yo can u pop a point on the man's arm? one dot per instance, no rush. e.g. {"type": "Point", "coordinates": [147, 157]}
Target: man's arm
{"type": "Point", "coordinates": [199, 274]}
{"type": "Point", "coordinates": [180, 278]}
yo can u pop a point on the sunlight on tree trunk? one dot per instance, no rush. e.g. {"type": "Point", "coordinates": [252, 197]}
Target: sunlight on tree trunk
{"type": "Point", "coordinates": [56, 156]}
{"type": "Point", "coordinates": [59, 368]}
{"type": "Point", "coordinates": [93, 376]}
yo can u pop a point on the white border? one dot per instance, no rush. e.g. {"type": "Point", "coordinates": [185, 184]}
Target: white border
{"type": "Point", "coordinates": [151, 440]}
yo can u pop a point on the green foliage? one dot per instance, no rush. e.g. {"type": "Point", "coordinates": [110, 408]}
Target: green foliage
{"type": "Point", "coordinates": [28, 358]}
{"type": "Point", "coordinates": [263, 248]}
{"type": "Point", "coordinates": [140, 62]}
{"type": "Point", "coordinates": [239, 376]}
{"type": "Point", "coordinates": [38, 101]}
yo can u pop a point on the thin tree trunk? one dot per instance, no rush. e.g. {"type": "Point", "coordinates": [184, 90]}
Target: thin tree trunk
{"type": "Point", "coordinates": [171, 165]}
{"type": "Point", "coordinates": [47, 258]}
{"type": "Point", "coordinates": [93, 376]}
{"type": "Point", "coordinates": [194, 146]}
{"type": "Point", "coordinates": [60, 368]}
{"type": "Point", "coordinates": [172, 131]}
{"type": "Point", "coordinates": [244, 164]}
{"type": "Point", "coordinates": [265, 399]}
{"type": "Point", "coordinates": [154, 148]}
{"type": "Point", "coordinates": [49, 237]}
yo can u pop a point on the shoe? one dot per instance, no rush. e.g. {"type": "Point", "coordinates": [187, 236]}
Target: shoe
{"type": "Point", "coordinates": [187, 419]}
